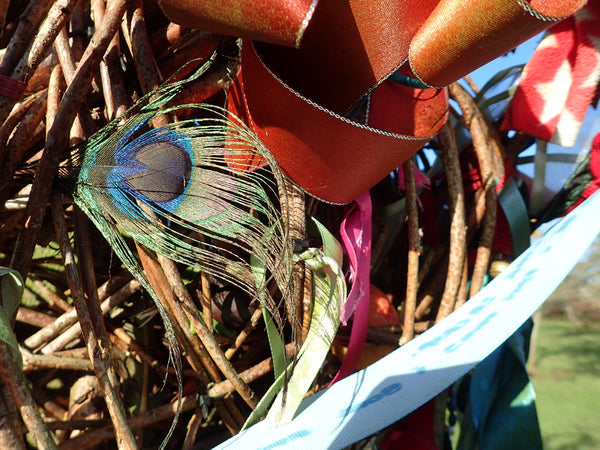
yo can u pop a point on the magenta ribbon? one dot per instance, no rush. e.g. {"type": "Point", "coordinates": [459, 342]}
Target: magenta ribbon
{"type": "Point", "coordinates": [356, 237]}
{"type": "Point", "coordinates": [11, 88]}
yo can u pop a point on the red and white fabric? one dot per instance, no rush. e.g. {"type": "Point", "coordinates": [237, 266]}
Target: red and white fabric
{"type": "Point", "coordinates": [560, 81]}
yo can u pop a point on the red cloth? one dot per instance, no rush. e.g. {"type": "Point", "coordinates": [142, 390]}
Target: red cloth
{"type": "Point", "coordinates": [560, 80]}
{"type": "Point", "coordinates": [595, 171]}
{"type": "Point", "coordinates": [414, 432]}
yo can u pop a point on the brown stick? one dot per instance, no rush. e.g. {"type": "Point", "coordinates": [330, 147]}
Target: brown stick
{"type": "Point", "coordinates": [36, 51]}
{"type": "Point", "coordinates": [484, 250]}
{"type": "Point", "coordinates": [56, 86]}
{"type": "Point", "coordinates": [55, 301]}
{"type": "Point", "coordinates": [414, 251]}
{"type": "Point", "coordinates": [473, 115]}
{"type": "Point", "coordinates": [66, 328]}
{"type": "Point", "coordinates": [226, 387]}
{"type": "Point", "coordinates": [194, 350]}
{"type": "Point", "coordinates": [307, 302]}
{"type": "Point", "coordinates": [18, 145]}
{"type": "Point", "coordinates": [481, 134]}
{"type": "Point", "coordinates": [111, 74]}
{"type": "Point", "coordinates": [58, 137]}
{"type": "Point", "coordinates": [206, 336]}
{"type": "Point", "coordinates": [11, 433]}
{"type": "Point", "coordinates": [33, 362]}
{"type": "Point", "coordinates": [13, 378]}
{"type": "Point", "coordinates": [28, 22]}
{"type": "Point", "coordinates": [15, 117]}
{"type": "Point", "coordinates": [206, 300]}
{"type": "Point", "coordinates": [243, 335]}
{"type": "Point", "coordinates": [145, 64]}
{"type": "Point", "coordinates": [472, 84]}
{"type": "Point", "coordinates": [294, 216]}
{"type": "Point", "coordinates": [458, 228]}
{"type": "Point", "coordinates": [92, 438]}
{"type": "Point", "coordinates": [463, 291]}
{"type": "Point", "coordinates": [133, 347]}
{"type": "Point", "coordinates": [33, 317]}
{"type": "Point", "coordinates": [99, 354]}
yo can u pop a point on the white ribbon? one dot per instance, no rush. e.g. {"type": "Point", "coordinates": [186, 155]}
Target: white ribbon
{"type": "Point", "coordinates": [391, 388]}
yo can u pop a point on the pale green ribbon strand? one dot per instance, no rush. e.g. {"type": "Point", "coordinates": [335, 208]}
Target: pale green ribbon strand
{"type": "Point", "coordinates": [329, 294]}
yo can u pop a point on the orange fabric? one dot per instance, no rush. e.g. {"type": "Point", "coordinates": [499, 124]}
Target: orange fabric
{"type": "Point", "coordinates": [295, 99]}
{"type": "Point", "coordinates": [461, 35]}
{"type": "Point", "coordinates": [281, 22]}
{"type": "Point", "coordinates": [349, 47]}
{"type": "Point", "coordinates": [331, 157]}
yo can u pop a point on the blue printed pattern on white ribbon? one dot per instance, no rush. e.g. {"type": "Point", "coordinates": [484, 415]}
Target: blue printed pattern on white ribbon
{"type": "Point", "coordinates": [391, 388]}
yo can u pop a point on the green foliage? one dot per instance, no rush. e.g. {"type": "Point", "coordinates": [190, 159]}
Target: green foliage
{"type": "Point", "coordinates": [567, 383]}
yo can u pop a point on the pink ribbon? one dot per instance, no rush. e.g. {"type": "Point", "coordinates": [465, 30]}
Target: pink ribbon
{"type": "Point", "coordinates": [356, 237]}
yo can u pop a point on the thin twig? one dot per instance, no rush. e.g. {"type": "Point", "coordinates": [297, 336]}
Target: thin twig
{"type": "Point", "coordinates": [307, 302]}
{"type": "Point", "coordinates": [56, 86]}
{"type": "Point", "coordinates": [111, 73]}
{"type": "Point", "coordinates": [55, 301]}
{"type": "Point", "coordinates": [206, 336]}
{"type": "Point", "coordinates": [131, 346]}
{"type": "Point", "coordinates": [33, 317]}
{"type": "Point", "coordinates": [10, 436]}
{"type": "Point", "coordinates": [66, 327]}
{"type": "Point", "coordinates": [145, 63]}
{"type": "Point", "coordinates": [58, 138]}
{"type": "Point", "coordinates": [458, 228]}
{"type": "Point", "coordinates": [153, 416]}
{"type": "Point", "coordinates": [99, 354]}
{"type": "Point", "coordinates": [463, 291]}
{"type": "Point", "coordinates": [243, 335]}
{"type": "Point", "coordinates": [36, 51]}
{"type": "Point", "coordinates": [13, 378]}
{"type": "Point", "coordinates": [31, 18]}
{"type": "Point", "coordinates": [33, 362]}
{"type": "Point", "coordinates": [414, 251]}
{"type": "Point", "coordinates": [472, 84]}
{"type": "Point", "coordinates": [477, 121]}
{"type": "Point", "coordinates": [226, 387]}
{"type": "Point", "coordinates": [18, 145]}
{"type": "Point", "coordinates": [194, 350]}
{"type": "Point", "coordinates": [294, 216]}
{"type": "Point", "coordinates": [15, 117]}
{"type": "Point", "coordinates": [481, 131]}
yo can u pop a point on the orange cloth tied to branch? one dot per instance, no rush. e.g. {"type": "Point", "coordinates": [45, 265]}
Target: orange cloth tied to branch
{"type": "Point", "coordinates": [312, 62]}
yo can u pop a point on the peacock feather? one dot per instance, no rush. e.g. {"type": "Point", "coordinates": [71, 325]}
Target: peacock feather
{"type": "Point", "coordinates": [204, 192]}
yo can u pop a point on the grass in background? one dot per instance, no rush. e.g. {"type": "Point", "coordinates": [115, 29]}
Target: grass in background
{"type": "Point", "coordinates": [566, 377]}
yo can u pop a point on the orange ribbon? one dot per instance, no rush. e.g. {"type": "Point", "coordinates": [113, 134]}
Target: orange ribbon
{"type": "Point", "coordinates": [330, 55]}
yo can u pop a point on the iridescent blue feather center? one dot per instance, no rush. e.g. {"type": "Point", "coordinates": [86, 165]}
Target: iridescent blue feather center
{"type": "Point", "coordinates": [154, 168]}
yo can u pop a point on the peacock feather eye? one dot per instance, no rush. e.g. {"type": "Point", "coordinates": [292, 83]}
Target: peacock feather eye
{"type": "Point", "coordinates": [163, 164]}
{"type": "Point", "coordinates": [156, 168]}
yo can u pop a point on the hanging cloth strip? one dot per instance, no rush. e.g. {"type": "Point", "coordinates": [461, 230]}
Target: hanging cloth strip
{"type": "Point", "coordinates": [332, 53]}
{"type": "Point", "coordinates": [560, 80]}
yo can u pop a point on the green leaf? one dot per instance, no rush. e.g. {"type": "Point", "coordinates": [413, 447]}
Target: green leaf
{"type": "Point", "coordinates": [276, 344]}
{"type": "Point", "coordinates": [11, 289]}
{"type": "Point", "coordinates": [329, 294]}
